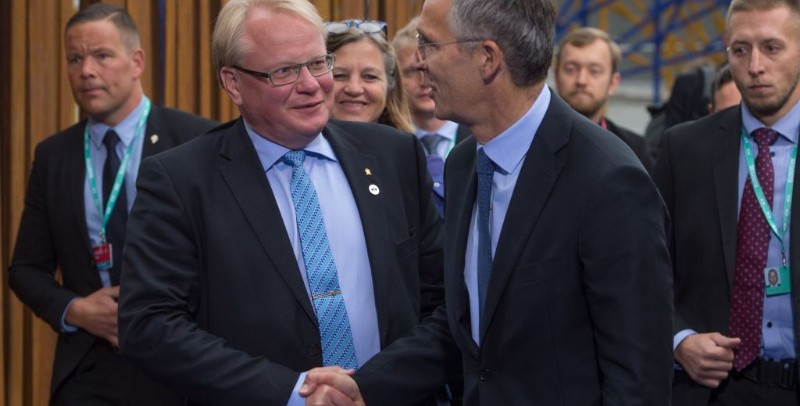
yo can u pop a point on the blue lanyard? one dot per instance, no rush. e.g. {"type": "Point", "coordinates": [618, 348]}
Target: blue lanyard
{"type": "Point", "coordinates": [762, 199]}
{"type": "Point", "coordinates": [118, 180]}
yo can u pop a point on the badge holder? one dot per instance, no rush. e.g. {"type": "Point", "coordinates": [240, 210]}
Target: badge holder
{"type": "Point", "coordinates": [777, 280]}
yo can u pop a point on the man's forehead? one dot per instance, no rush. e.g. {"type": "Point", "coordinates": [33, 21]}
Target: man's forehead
{"type": "Point", "coordinates": [433, 19]}
{"type": "Point", "coordinates": [595, 51]}
{"type": "Point", "coordinates": [746, 25]}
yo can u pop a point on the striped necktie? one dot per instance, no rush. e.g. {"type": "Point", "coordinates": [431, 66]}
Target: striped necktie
{"type": "Point", "coordinates": [323, 280]}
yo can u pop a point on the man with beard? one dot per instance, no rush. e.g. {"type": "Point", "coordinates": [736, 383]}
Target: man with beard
{"type": "Point", "coordinates": [587, 73]}
{"type": "Point", "coordinates": [728, 182]}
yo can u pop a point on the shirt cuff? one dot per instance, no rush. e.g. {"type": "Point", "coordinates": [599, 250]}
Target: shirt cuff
{"type": "Point", "coordinates": [296, 399]}
{"type": "Point", "coordinates": [66, 327]}
{"type": "Point", "coordinates": [677, 340]}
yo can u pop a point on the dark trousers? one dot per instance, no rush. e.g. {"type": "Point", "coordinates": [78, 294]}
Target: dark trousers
{"type": "Point", "coordinates": [738, 390]}
{"type": "Point", "coordinates": [105, 378]}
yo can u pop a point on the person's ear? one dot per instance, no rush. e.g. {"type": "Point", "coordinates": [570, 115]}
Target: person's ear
{"type": "Point", "coordinates": [231, 83]}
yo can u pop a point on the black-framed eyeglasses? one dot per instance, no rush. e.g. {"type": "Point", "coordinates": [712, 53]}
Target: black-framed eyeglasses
{"type": "Point", "coordinates": [423, 46]}
{"type": "Point", "coordinates": [366, 26]}
{"type": "Point", "coordinates": [288, 74]}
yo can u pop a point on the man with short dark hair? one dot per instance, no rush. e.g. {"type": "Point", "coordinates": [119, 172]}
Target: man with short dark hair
{"type": "Point", "coordinates": [80, 190]}
{"type": "Point", "coordinates": [728, 182]}
{"type": "Point", "coordinates": [724, 92]}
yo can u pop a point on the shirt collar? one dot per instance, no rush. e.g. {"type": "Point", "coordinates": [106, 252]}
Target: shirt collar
{"type": "Point", "coordinates": [125, 129]}
{"type": "Point", "coordinates": [270, 153]}
{"type": "Point", "coordinates": [508, 149]}
{"type": "Point", "coordinates": [447, 130]}
{"type": "Point", "coordinates": [788, 126]}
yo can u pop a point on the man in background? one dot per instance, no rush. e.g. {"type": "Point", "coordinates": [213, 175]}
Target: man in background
{"type": "Point", "coordinates": [724, 92]}
{"type": "Point", "coordinates": [80, 190]}
{"type": "Point", "coordinates": [438, 136]}
{"type": "Point", "coordinates": [587, 74]}
{"type": "Point", "coordinates": [728, 182]}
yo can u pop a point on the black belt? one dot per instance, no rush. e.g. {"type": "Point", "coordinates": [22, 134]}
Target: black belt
{"type": "Point", "coordinates": [780, 373]}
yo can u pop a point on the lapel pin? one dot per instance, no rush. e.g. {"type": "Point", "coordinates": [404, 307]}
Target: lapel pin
{"type": "Point", "coordinates": [374, 189]}
{"type": "Point", "coordinates": [154, 138]}
{"type": "Point", "coordinates": [367, 172]}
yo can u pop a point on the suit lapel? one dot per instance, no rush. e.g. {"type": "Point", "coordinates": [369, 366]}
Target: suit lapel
{"type": "Point", "coordinates": [794, 257]}
{"type": "Point", "coordinates": [536, 180]}
{"type": "Point", "coordinates": [462, 132]}
{"type": "Point", "coordinates": [362, 171]}
{"type": "Point", "coordinates": [155, 138]}
{"type": "Point", "coordinates": [74, 189]}
{"type": "Point", "coordinates": [243, 173]}
{"type": "Point", "coordinates": [461, 190]}
{"type": "Point", "coordinates": [726, 175]}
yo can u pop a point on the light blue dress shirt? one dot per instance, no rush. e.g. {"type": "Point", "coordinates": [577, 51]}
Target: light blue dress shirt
{"type": "Point", "coordinates": [448, 130]}
{"type": "Point", "coordinates": [97, 131]}
{"type": "Point", "coordinates": [777, 328]}
{"type": "Point", "coordinates": [345, 235]}
{"type": "Point", "coordinates": [507, 151]}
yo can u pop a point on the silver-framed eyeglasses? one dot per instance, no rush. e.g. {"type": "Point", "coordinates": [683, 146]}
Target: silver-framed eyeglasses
{"type": "Point", "coordinates": [424, 46]}
{"type": "Point", "coordinates": [366, 26]}
{"type": "Point", "coordinates": [288, 74]}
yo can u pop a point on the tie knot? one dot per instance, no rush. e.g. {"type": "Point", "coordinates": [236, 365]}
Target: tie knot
{"type": "Point", "coordinates": [485, 165]}
{"type": "Point", "coordinates": [765, 136]}
{"type": "Point", "coordinates": [431, 141]}
{"type": "Point", "coordinates": [111, 139]}
{"type": "Point", "coordinates": [294, 158]}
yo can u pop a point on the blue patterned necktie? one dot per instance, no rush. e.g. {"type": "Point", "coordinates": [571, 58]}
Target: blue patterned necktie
{"type": "Point", "coordinates": [323, 281]}
{"type": "Point", "coordinates": [485, 169]}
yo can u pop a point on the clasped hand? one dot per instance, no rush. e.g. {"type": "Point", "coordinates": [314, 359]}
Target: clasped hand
{"type": "Point", "coordinates": [331, 386]}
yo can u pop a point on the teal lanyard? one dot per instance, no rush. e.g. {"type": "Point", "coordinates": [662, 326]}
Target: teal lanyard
{"type": "Point", "coordinates": [115, 189]}
{"type": "Point", "coordinates": [451, 145]}
{"type": "Point", "coordinates": [762, 199]}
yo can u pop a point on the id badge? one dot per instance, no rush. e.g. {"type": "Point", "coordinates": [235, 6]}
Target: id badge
{"type": "Point", "coordinates": [777, 280]}
{"type": "Point", "coordinates": [102, 256]}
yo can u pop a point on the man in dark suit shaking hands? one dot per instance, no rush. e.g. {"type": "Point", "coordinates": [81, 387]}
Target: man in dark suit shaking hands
{"type": "Point", "coordinates": [728, 180]}
{"type": "Point", "coordinates": [281, 241]}
{"type": "Point", "coordinates": [81, 187]}
{"type": "Point", "coordinates": [557, 279]}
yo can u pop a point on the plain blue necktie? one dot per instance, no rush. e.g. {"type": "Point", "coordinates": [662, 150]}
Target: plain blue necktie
{"type": "Point", "coordinates": [485, 169]}
{"type": "Point", "coordinates": [334, 325]}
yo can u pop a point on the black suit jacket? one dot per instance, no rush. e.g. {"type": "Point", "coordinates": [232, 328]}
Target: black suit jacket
{"type": "Point", "coordinates": [213, 302]}
{"type": "Point", "coordinates": [53, 232]}
{"type": "Point", "coordinates": [579, 304]}
{"type": "Point", "coordinates": [698, 175]}
{"type": "Point", "coordinates": [637, 143]}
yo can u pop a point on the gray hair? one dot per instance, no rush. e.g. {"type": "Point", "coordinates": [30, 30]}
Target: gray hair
{"type": "Point", "coordinates": [524, 30]}
{"type": "Point", "coordinates": [227, 47]}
